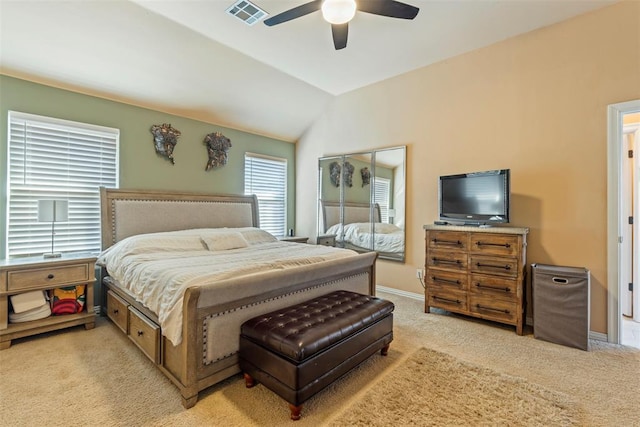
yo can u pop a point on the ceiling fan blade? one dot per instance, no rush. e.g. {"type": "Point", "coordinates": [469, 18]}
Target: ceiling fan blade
{"type": "Point", "coordinates": [340, 33]}
{"type": "Point", "coordinates": [390, 8]}
{"type": "Point", "coordinates": [294, 13]}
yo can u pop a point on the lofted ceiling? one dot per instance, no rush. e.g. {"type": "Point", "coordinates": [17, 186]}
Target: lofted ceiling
{"type": "Point", "coordinates": [192, 59]}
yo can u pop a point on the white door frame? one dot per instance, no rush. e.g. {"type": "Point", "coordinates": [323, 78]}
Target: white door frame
{"type": "Point", "coordinates": [615, 222]}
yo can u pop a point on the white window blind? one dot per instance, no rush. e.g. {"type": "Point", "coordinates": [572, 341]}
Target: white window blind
{"type": "Point", "coordinates": [266, 177]}
{"type": "Point", "coordinates": [57, 159]}
{"type": "Point", "coordinates": [381, 189]}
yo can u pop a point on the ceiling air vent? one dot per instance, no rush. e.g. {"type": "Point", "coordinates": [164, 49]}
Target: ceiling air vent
{"type": "Point", "coordinates": [247, 12]}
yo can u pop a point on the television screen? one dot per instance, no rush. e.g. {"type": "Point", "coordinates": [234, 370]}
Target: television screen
{"type": "Point", "coordinates": [475, 198]}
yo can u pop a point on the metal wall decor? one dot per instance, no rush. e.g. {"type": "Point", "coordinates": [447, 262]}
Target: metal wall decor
{"type": "Point", "coordinates": [366, 176]}
{"type": "Point", "coordinates": [348, 174]}
{"type": "Point", "coordinates": [165, 139]}
{"type": "Point", "coordinates": [334, 173]}
{"type": "Point", "coordinates": [217, 147]}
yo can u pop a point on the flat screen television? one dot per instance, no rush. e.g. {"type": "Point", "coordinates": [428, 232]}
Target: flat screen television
{"type": "Point", "coordinates": [477, 198]}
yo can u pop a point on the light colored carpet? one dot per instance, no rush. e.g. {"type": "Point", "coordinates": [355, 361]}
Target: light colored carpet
{"type": "Point", "coordinates": [434, 389]}
{"type": "Point", "coordinates": [98, 378]}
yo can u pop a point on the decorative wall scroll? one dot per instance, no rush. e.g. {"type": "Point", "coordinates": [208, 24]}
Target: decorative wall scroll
{"type": "Point", "coordinates": [366, 176]}
{"type": "Point", "coordinates": [348, 174]}
{"type": "Point", "coordinates": [334, 173]}
{"type": "Point", "coordinates": [165, 139]}
{"type": "Point", "coordinates": [217, 147]}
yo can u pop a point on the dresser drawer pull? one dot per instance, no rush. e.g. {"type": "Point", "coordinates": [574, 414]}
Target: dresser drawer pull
{"type": "Point", "coordinates": [455, 301]}
{"type": "Point", "coordinates": [505, 267]}
{"type": "Point", "coordinates": [445, 261]}
{"type": "Point", "coordinates": [494, 288]}
{"type": "Point", "coordinates": [440, 279]}
{"type": "Point", "coordinates": [447, 242]}
{"type": "Point", "coordinates": [140, 333]}
{"type": "Point", "coordinates": [506, 245]}
{"type": "Point", "coordinates": [115, 311]}
{"type": "Point", "coordinates": [50, 276]}
{"type": "Point", "coordinates": [482, 307]}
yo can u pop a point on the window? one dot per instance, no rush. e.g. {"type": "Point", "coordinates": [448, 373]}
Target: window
{"type": "Point", "coordinates": [57, 159]}
{"type": "Point", "coordinates": [266, 177]}
{"type": "Point", "coordinates": [381, 190]}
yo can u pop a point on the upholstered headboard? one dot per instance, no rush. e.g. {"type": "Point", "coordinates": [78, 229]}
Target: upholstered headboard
{"type": "Point", "coordinates": [353, 212]}
{"type": "Point", "coordinates": [126, 213]}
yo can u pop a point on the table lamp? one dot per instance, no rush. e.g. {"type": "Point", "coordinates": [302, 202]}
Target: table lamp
{"type": "Point", "coordinates": [53, 211]}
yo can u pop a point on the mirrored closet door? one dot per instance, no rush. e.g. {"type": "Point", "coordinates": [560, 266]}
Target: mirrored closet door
{"type": "Point", "coordinates": [362, 201]}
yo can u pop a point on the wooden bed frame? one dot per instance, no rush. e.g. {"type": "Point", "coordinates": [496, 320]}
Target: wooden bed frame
{"type": "Point", "coordinates": [209, 319]}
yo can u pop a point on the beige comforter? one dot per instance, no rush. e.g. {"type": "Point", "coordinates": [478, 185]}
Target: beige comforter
{"type": "Point", "coordinates": [157, 268]}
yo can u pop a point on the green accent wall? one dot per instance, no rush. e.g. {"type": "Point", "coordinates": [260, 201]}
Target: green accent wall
{"type": "Point", "coordinates": [140, 166]}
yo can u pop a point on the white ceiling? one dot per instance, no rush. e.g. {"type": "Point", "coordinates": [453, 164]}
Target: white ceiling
{"type": "Point", "coordinates": [192, 59]}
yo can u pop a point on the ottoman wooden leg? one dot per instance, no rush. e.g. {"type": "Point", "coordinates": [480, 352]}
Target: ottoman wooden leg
{"type": "Point", "coordinates": [295, 411]}
{"type": "Point", "coordinates": [385, 350]}
{"type": "Point", "coordinates": [249, 381]}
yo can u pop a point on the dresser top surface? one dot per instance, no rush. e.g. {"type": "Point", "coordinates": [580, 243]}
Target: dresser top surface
{"type": "Point", "coordinates": [490, 229]}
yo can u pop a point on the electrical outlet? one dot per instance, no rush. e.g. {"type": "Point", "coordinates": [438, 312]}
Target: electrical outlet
{"type": "Point", "coordinates": [419, 273]}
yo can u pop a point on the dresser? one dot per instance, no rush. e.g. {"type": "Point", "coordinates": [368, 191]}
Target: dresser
{"type": "Point", "coordinates": [478, 272]}
{"type": "Point", "coordinates": [21, 275]}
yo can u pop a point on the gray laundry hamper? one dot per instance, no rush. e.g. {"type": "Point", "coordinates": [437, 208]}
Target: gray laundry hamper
{"type": "Point", "coordinates": [561, 299]}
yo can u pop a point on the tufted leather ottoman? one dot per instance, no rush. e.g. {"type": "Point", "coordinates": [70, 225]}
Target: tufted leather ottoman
{"type": "Point", "coordinates": [299, 350]}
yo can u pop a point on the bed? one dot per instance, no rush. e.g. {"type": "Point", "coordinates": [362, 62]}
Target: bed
{"type": "Point", "coordinates": [355, 231]}
{"type": "Point", "coordinates": [149, 238]}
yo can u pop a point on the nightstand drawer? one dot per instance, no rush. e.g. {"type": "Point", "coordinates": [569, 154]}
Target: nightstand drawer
{"type": "Point", "coordinates": [327, 240]}
{"type": "Point", "coordinates": [117, 311]}
{"type": "Point", "coordinates": [47, 277]}
{"type": "Point", "coordinates": [145, 334]}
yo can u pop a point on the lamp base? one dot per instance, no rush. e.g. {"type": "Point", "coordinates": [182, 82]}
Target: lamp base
{"type": "Point", "coordinates": [52, 255]}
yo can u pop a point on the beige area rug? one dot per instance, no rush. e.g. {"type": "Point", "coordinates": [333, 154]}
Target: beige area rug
{"type": "Point", "coordinates": [434, 389]}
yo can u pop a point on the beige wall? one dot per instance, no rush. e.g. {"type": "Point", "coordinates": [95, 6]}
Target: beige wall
{"type": "Point", "coordinates": [536, 104]}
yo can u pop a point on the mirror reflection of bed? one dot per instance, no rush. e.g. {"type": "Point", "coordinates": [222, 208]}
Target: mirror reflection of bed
{"type": "Point", "coordinates": [358, 233]}
{"type": "Point", "coordinates": [361, 201]}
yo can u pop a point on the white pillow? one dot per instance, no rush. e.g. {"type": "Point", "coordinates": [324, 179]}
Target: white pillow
{"type": "Point", "coordinates": [171, 241]}
{"type": "Point", "coordinates": [223, 241]}
{"type": "Point", "coordinates": [255, 235]}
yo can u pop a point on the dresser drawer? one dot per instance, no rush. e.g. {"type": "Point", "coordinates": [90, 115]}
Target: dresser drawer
{"type": "Point", "coordinates": [47, 277]}
{"type": "Point", "coordinates": [145, 334]}
{"type": "Point", "coordinates": [494, 244]}
{"type": "Point", "coordinates": [493, 265]}
{"type": "Point", "coordinates": [496, 287]}
{"type": "Point", "coordinates": [446, 279]}
{"type": "Point", "coordinates": [117, 311]}
{"type": "Point", "coordinates": [454, 261]}
{"type": "Point", "coordinates": [490, 308]}
{"type": "Point", "coordinates": [447, 299]}
{"type": "Point", "coordinates": [451, 240]}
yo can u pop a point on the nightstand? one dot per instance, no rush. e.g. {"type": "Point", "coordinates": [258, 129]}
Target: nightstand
{"type": "Point", "coordinates": [20, 275]}
{"type": "Point", "coordinates": [326, 240]}
{"type": "Point", "coordinates": [294, 239]}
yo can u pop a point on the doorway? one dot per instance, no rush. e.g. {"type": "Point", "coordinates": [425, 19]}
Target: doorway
{"type": "Point", "coordinates": [624, 223]}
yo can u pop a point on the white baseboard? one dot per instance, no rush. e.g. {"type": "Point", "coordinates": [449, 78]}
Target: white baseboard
{"type": "Point", "coordinates": [97, 310]}
{"type": "Point", "coordinates": [412, 295]}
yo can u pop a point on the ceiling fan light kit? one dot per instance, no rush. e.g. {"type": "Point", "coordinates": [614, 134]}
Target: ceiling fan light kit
{"type": "Point", "coordinates": [339, 12]}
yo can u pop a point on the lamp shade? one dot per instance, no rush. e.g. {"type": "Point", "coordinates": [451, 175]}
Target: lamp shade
{"type": "Point", "coordinates": [53, 210]}
{"type": "Point", "coordinates": [338, 11]}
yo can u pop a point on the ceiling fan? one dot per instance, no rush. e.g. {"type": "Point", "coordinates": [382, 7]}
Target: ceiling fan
{"type": "Point", "coordinates": [339, 12]}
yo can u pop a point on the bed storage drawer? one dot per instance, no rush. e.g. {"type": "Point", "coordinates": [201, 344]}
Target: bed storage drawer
{"type": "Point", "coordinates": [117, 311]}
{"type": "Point", "coordinates": [145, 334]}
